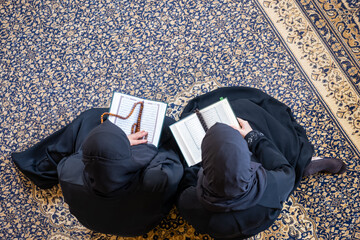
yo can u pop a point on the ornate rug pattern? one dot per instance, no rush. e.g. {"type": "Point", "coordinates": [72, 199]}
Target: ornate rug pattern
{"type": "Point", "coordinates": [61, 57]}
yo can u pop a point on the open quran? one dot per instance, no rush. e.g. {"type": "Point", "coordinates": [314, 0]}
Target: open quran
{"type": "Point", "coordinates": [190, 131]}
{"type": "Point", "coordinates": [133, 114]}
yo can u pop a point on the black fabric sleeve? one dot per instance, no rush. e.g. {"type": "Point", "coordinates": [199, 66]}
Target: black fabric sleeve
{"type": "Point", "coordinates": [265, 151]}
{"type": "Point", "coordinates": [39, 162]}
{"type": "Point", "coordinates": [163, 173]}
{"type": "Point", "coordinates": [280, 173]}
{"type": "Point", "coordinates": [189, 178]}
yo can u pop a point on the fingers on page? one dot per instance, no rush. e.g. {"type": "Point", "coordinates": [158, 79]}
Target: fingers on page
{"type": "Point", "coordinates": [141, 134]}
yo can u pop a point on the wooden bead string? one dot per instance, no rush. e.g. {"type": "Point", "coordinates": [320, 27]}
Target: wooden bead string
{"type": "Point", "coordinates": [201, 120]}
{"type": "Point", "coordinates": [136, 126]}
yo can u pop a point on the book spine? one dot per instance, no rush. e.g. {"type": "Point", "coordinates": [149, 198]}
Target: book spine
{"type": "Point", "coordinates": [201, 119]}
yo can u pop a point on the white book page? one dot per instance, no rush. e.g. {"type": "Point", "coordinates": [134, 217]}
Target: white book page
{"type": "Point", "coordinates": [197, 131]}
{"type": "Point", "coordinates": [189, 133]}
{"type": "Point", "coordinates": [219, 112]}
{"type": "Point", "coordinates": [151, 120]}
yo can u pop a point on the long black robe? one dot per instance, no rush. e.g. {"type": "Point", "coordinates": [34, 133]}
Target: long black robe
{"type": "Point", "coordinates": [284, 151]}
{"type": "Point", "coordinates": [133, 210]}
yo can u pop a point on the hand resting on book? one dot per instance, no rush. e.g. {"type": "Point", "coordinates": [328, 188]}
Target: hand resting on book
{"type": "Point", "coordinates": [138, 138]}
{"type": "Point", "coordinates": [244, 128]}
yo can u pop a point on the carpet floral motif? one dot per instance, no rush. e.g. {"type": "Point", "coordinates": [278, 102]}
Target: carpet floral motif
{"type": "Point", "coordinates": [340, 90]}
{"type": "Point", "coordinates": [61, 57]}
{"type": "Point", "coordinates": [338, 22]}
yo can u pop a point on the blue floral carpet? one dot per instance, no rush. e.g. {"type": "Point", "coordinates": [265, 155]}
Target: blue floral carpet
{"type": "Point", "coordinates": [61, 57]}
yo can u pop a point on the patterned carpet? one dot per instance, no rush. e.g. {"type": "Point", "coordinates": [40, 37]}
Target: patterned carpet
{"type": "Point", "coordinates": [61, 57]}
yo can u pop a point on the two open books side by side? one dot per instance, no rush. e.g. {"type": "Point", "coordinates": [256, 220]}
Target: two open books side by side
{"type": "Point", "coordinates": [190, 131]}
{"type": "Point", "coordinates": [152, 117]}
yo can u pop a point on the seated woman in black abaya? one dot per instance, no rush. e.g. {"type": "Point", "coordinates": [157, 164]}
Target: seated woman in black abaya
{"type": "Point", "coordinates": [113, 183]}
{"type": "Point", "coordinates": [246, 172]}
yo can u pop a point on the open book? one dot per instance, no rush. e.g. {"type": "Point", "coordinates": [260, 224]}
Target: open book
{"type": "Point", "coordinates": [152, 116]}
{"type": "Point", "coordinates": [190, 131]}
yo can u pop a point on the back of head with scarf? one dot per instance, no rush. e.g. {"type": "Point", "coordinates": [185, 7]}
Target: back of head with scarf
{"type": "Point", "coordinates": [228, 179]}
{"type": "Point", "coordinates": [109, 163]}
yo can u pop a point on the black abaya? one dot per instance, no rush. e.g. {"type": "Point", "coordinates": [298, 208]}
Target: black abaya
{"type": "Point", "coordinates": [284, 151]}
{"type": "Point", "coordinates": [127, 199]}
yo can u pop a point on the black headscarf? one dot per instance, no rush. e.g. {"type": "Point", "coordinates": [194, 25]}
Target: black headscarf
{"type": "Point", "coordinates": [228, 179]}
{"type": "Point", "coordinates": [109, 161]}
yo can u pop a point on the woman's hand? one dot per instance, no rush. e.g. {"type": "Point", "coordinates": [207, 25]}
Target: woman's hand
{"type": "Point", "coordinates": [138, 138]}
{"type": "Point", "coordinates": [244, 128]}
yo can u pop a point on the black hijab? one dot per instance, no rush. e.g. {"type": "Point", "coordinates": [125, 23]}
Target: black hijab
{"type": "Point", "coordinates": [110, 165]}
{"type": "Point", "coordinates": [228, 179]}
